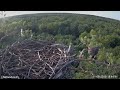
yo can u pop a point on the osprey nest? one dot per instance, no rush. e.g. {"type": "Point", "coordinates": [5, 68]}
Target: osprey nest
{"type": "Point", "coordinates": [38, 60]}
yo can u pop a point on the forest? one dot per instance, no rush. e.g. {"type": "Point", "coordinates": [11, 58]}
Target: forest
{"type": "Point", "coordinates": [83, 32]}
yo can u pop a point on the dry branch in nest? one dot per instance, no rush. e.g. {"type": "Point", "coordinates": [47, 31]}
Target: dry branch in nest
{"type": "Point", "coordinates": [36, 60]}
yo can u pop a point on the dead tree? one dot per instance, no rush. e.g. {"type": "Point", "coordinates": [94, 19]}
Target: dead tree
{"type": "Point", "coordinates": [3, 14]}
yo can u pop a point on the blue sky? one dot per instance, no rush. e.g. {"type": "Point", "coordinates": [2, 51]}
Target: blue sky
{"type": "Point", "coordinates": [109, 14]}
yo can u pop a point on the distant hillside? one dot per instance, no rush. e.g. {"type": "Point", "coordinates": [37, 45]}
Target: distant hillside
{"type": "Point", "coordinates": [60, 14]}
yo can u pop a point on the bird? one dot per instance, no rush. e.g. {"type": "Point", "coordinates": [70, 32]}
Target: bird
{"type": "Point", "coordinates": [93, 51]}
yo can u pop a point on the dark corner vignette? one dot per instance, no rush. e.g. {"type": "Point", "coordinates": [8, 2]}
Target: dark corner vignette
{"type": "Point", "coordinates": [72, 5]}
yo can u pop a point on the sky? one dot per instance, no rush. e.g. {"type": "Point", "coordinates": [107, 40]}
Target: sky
{"type": "Point", "coordinates": [108, 14]}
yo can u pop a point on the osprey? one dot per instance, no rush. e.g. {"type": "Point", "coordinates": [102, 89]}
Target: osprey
{"type": "Point", "coordinates": [93, 51]}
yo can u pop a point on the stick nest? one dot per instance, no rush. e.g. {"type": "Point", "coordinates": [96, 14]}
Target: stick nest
{"type": "Point", "coordinates": [37, 60]}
